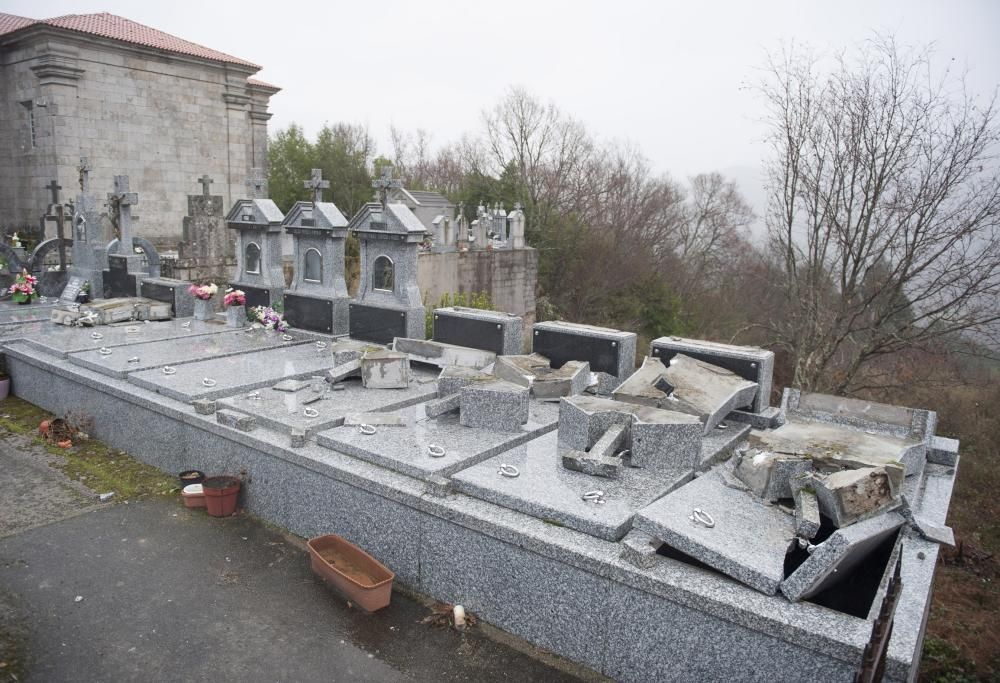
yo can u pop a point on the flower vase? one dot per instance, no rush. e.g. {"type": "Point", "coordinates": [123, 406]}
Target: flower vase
{"type": "Point", "coordinates": [203, 309]}
{"type": "Point", "coordinates": [236, 316]}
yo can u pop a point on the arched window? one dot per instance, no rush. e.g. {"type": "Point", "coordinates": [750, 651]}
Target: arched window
{"type": "Point", "coordinates": [313, 266]}
{"type": "Point", "coordinates": [383, 274]}
{"type": "Point", "coordinates": [253, 258]}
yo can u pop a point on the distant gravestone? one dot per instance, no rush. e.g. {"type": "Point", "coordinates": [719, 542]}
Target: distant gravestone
{"type": "Point", "coordinates": [206, 245]}
{"type": "Point", "coordinates": [125, 269]}
{"type": "Point", "coordinates": [89, 253]}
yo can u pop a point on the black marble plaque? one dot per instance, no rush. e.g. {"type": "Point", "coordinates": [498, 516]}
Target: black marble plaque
{"type": "Point", "coordinates": [309, 313]}
{"type": "Point", "coordinates": [745, 368]}
{"type": "Point", "coordinates": [374, 324]}
{"type": "Point", "coordinates": [559, 347]}
{"type": "Point", "coordinates": [160, 292]}
{"type": "Point", "coordinates": [475, 334]}
{"type": "Point", "coordinates": [117, 280]}
{"type": "Point", "coordinates": [256, 296]}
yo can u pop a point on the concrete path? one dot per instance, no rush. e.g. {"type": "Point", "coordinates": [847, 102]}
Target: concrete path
{"type": "Point", "coordinates": [153, 591]}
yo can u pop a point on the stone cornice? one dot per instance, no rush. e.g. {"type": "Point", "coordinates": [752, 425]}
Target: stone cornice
{"type": "Point", "coordinates": [54, 69]}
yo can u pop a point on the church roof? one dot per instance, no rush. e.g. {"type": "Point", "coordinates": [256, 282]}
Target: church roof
{"type": "Point", "coordinates": [125, 30]}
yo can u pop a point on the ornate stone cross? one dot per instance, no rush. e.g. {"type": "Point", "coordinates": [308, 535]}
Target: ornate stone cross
{"type": "Point", "coordinates": [255, 183]}
{"type": "Point", "coordinates": [205, 182]}
{"type": "Point", "coordinates": [316, 184]}
{"type": "Point", "coordinates": [384, 184]}
{"type": "Point", "coordinates": [123, 201]}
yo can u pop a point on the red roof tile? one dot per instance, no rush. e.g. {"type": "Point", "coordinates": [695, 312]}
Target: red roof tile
{"type": "Point", "coordinates": [125, 30]}
{"type": "Point", "coordinates": [261, 84]}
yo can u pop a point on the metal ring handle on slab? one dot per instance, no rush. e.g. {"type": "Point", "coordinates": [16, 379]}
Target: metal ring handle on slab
{"type": "Point", "coordinates": [310, 413]}
{"type": "Point", "coordinates": [131, 330]}
{"type": "Point", "coordinates": [104, 351]}
{"type": "Point", "coordinates": [133, 359]}
{"type": "Point", "coordinates": [509, 471]}
{"type": "Point", "coordinates": [596, 496]}
{"type": "Point", "coordinates": [435, 451]}
{"type": "Point", "coordinates": [287, 337]}
{"type": "Point", "coordinates": [208, 382]}
{"type": "Point", "coordinates": [254, 396]}
{"type": "Point", "coordinates": [169, 370]}
{"type": "Point", "coordinates": [366, 429]}
{"type": "Point", "coordinates": [96, 335]}
{"type": "Point", "coordinates": [187, 324]}
{"type": "Point", "coordinates": [320, 345]}
{"type": "Point", "coordinates": [699, 516]}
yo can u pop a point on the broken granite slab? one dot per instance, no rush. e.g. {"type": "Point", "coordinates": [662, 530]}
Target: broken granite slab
{"type": "Point", "coordinates": [908, 424]}
{"type": "Point", "coordinates": [546, 490]}
{"type": "Point", "coordinates": [497, 405]}
{"type": "Point", "coordinates": [834, 558]}
{"type": "Point", "coordinates": [647, 386]}
{"type": "Point", "coordinates": [639, 549]}
{"type": "Point", "coordinates": [374, 419]}
{"type": "Point", "coordinates": [848, 496]}
{"type": "Point", "coordinates": [385, 370]}
{"type": "Point", "coordinates": [244, 423]}
{"type": "Point", "coordinates": [346, 350]}
{"type": "Point", "coordinates": [610, 353]}
{"type": "Point", "coordinates": [734, 533]}
{"type": "Point", "coordinates": [749, 362]}
{"type": "Point", "coordinates": [656, 438]}
{"type": "Point", "coordinates": [203, 406]}
{"type": "Point", "coordinates": [834, 446]}
{"type": "Point", "coordinates": [769, 474]}
{"type": "Point", "coordinates": [443, 355]}
{"type": "Point", "coordinates": [943, 451]}
{"type": "Point", "coordinates": [453, 378]}
{"type": "Point", "coordinates": [342, 371]}
{"type": "Point", "coordinates": [708, 391]}
{"type": "Point", "coordinates": [536, 373]}
{"type": "Point", "coordinates": [284, 411]}
{"type": "Point", "coordinates": [603, 459]}
{"type": "Point", "coordinates": [807, 520]}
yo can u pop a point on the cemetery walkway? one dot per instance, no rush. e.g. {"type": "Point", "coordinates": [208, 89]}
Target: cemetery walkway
{"type": "Point", "coordinates": [150, 590]}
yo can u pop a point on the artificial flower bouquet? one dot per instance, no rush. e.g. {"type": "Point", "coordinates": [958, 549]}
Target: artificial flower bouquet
{"type": "Point", "coordinates": [268, 318]}
{"type": "Point", "coordinates": [203, 292]}
{"type": "Point", "coordinates": [234, 297]}
{"type": "Point", "coordinates": [23, 289]}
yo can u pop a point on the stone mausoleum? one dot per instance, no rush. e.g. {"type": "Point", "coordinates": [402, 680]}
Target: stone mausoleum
{"type": "Point", "coordinates": [134, 101]}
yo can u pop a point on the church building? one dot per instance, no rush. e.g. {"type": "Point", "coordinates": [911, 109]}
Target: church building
{"type": "Point", "coordinates": [134, 101]}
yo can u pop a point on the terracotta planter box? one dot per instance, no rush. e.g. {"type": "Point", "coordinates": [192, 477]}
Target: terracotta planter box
{"type": "Point", "coordinates": [358, 576]}
{"type": "Point", "coordinates": [193, 495]}
{"type": "Point", "coordinates": [221, 494]}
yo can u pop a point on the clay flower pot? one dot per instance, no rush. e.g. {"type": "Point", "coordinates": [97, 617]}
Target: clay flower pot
{"type": "Point", "coordinates": [191, 477]}
{"type": "Point", "coordinates": [43, 427]}
{"type": "Point", "coordinates": [221, 494]}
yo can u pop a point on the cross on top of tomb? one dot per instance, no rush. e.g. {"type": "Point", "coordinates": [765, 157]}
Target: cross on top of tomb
{"type": "Point", "coordinates": [517, 206]}
{"type": "Point", "coordinates": [255, 183]}
{"type": "Point", "coordinates": [84, 170]}
{"type": "Point", "coordinates": [205, 182]}
{"type": "Point", "coordinates": [385, 183]}
{"type": "Point", "coordinates": [316, 184]}
{"type": "Point", "coordinates": [54, 188]}
{"type": "Point", "coordinates": [121, 201]}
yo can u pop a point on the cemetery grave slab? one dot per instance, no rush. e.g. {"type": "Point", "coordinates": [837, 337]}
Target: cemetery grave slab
{"type": "Point", "coordinates": [14, 314]}
{"type": "Point", "coordinates": [60, 340]}
{"type": "Point", "coordinates": [143, 356]}
{"type": "Point", "coordinates": [745, 539]}
{"type": "Point", "coordinates": [233, 374]}
{"type": "Point", "coordinates": [408, 449]}
{"type": "Point", "coordinates": [284, 411]}
{"type": "Point", "coordinates": [547, 490]}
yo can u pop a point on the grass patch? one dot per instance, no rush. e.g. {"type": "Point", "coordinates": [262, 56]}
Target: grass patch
{"type": "Point", "coordinates": [96, 465]}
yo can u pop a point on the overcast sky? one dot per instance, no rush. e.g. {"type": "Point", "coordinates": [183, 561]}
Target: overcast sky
{"type": "Point", "coordinates": [671, 77]}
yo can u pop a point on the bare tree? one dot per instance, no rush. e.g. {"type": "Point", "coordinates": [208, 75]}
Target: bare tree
{"type": "Point", "coordinates": [883, 210]}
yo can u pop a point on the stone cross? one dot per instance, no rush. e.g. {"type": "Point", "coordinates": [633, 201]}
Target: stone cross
{"type": "Point", "coordinates": [54, 188]}
{"type": "Point", "coordinates": [124, 201]}
{"type": "Point", "coordinates": [256, 183]}
{"type": "Point", "coordinates": [316, 184]}
{"type": "Point", "coordinates": [384, 184]}
{"type": "Point", "coordinates": [205, 182]}
{"type": "Point", "coordinates": [84, 171]}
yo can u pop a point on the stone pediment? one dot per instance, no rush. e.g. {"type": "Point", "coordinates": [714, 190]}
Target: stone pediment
{"type": "Point", "coordinates": [262, 214]}
{"type": "Point", "coordinates": [395, 219]}
{"type": "Point", "coordinates": [318, 216]}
